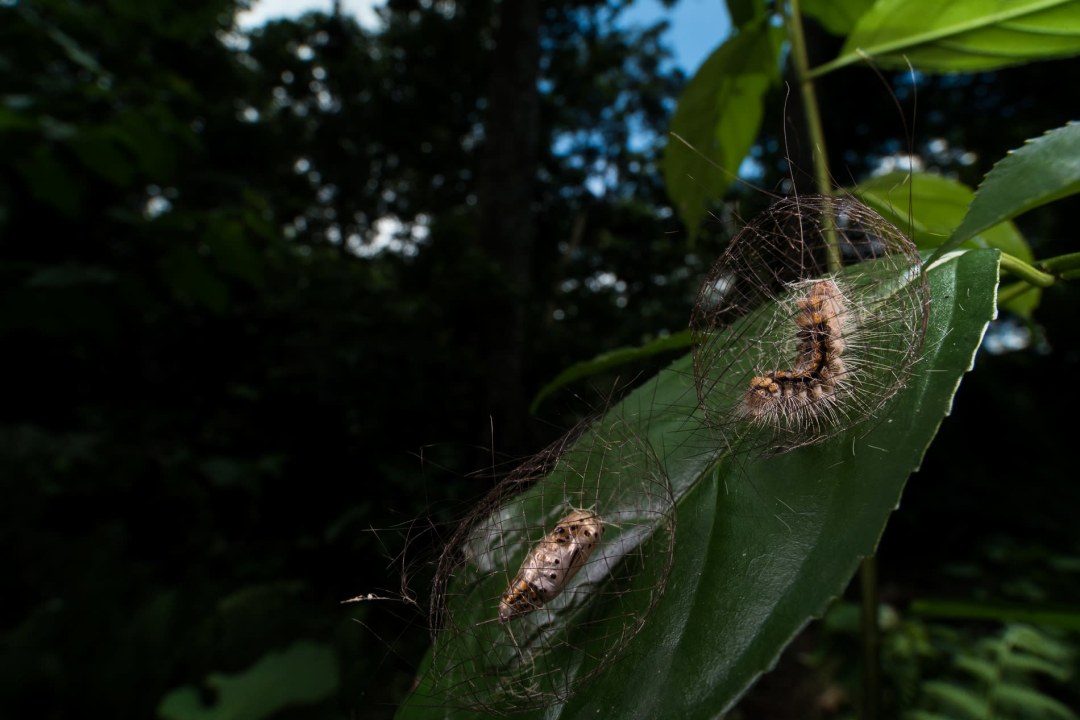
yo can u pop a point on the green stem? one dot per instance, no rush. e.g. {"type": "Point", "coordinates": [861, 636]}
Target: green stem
{"type": "Point", "coordinates": [1010, 292]}
{"type": "Point", "coordinates": [871, 639]}
{"type": "Point", "coordinates": [813, 125]}
{"type": "Point", "coordinates": [1026, 272]}
{"type": "Point", "coordinates": [1062, 267]}
{"type": "Point", "coordinates": [1061, 264]}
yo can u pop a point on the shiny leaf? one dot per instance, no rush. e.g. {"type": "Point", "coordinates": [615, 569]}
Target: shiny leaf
{"type": "Point", "coordinates": [1042, 170]}
{"type": "Point", "coordinates": [764, 545]}
{"type": "Point", "coordinates": [962, 35]}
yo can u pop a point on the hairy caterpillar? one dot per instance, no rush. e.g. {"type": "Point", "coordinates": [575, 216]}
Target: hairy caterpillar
{"type": "Point", "coordinates": [807, 324]}
{"type": "Point", "coordinates": [552, 563]}
{"type": "Point", "coordinates": [819, 364]}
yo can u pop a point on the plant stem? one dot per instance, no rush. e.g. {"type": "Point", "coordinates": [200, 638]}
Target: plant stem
{"type": "Point", "coordinates": [1061, 264]}
{"type": "Point", "coordinates": [1025, 272]}
{"type": "Point", "coordinates": [1048, 272]}
{"type": "Point", "coordinates": [813, 126]}
{"type": "Point", "coordinates": [871, 699]}
{"type": "Point", "coordinates": [871, 639]}
{"type": "Point", "coordinates": [1012, 291]}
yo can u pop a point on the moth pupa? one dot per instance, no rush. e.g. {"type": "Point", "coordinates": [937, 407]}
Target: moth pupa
{"type": "Point", "coordinates": [552, 563]}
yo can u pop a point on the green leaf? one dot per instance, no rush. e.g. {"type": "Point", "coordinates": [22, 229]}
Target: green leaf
{"type": "Point", "coordinates": [937, 207]}
{"type": "Point", "coordinates": [226, 241]}
{"type": "Point", "coordinates": [1030, 702]}
{"type": "Point", "coordinates": [923, 715]}
{"type": "Point", "coordinates": [98, 151]}
{"type": "Point", "coordinates": [970, 610]}
{"type": "Point", "coordinates": [51, 181]}
{"type": "Point", "coordinates": [12, 119]}
{"type": "Point", "coordinates": [1033, 641]}
{"type": "Point", "coordinates": [303, 674]}
{"type": "Point", "coordinates": [959, 700]}
{"type": "Point", "coordinates": [1042, 170]}
{"type": "Point", "coordinates": [745, 12]}
{"type": "Point", "coordinates": [836, 16]}
{"type": "Point", "coordinates": [1030, 664]}
{"type": "Point", "coordinates": [982, 670]}
{"type": "Point", "coordinates": [718, 118]}
{"type": "Point", "coordinates": [151, 140]}
{"type": "Point", "coordinates": [961, 35]}
{"type": "Point", "coordinates": [63, 276]}
{"type": "Point", "coordinates": [187, 275]}
{"type": "Point", "coordinates": [763, 545]}
{"type": "Point", "coordinates": [609, 360]}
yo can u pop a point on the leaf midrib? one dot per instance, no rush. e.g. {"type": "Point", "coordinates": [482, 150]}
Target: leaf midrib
{"type": "Point", "coordinates": [910, 41]}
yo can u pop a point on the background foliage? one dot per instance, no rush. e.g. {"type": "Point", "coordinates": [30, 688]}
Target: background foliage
{"type": "Point", "coordinates": [226, 365]}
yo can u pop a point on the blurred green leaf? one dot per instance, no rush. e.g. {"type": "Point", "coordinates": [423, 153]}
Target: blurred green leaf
{"type": "Point", "coordinates": [97, 150]}
{"type": "Point", "coordinates": [191, 280]}
{"type": "Point", "coordinates": [937, 207]}
{"type": "Point", "coordinates": [72, 49]}
{"type": "Point", "coordinates": [1030, 702]}
{"type": "Point", "coordinates": [763, 545]}
{"type": "Point", "coordinates": [961, 35]}
{"type": "Point", "coordinates": [924, 715]}
{"type": "Point", "coordinates": [1024, 663]}
{"type": "Point", "coordinates": [609, 360]}
{"type": "Point", "coordinates": [12, 119]}
{"type": "Point", "coordinates": [51, 182]}
{"type": "Point", "coordinates": [1032, 640]}
{"type": "Point", "coordinates": [226, 241]}
{"type": "Point", "coordinates": [961, 702]}
{"type": "Point", "coordinates": [303, 674]}
{"type": "Point", "coordinates": [979, 668]}
{"type": "Point", "coordinates": [718, 116]}
{"type": "Point", "coordinates": [68, 275]}
{"type": "Point", "coordinates": [154, 151]}
{"type": "Point", "coordinates": [972, 610]}
{"type": "Point", "coordinates": [745, 12]}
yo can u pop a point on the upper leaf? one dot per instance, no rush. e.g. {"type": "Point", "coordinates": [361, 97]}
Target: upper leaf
{"type": "Point", "coordinates": [1042, 170]}
{"type": "Point", "coordinates": [745, 12]}
{"type": "Point", "coordinates": [962, 35]}
{"type": "Point", "coordinates": [937, 207]}
{"type": "Point", "coordinates": [837, 16]}
{"type": "Point", "coordinates": [718, 116]}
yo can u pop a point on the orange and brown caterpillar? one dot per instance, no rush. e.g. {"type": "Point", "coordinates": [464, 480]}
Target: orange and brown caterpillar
{"type": "Point", "coordinates": [552, 563]}
{"type": "Point", "coordinates": [819, 363]}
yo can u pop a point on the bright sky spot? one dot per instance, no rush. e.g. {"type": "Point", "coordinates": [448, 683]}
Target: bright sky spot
{"type": "Point", "coordinates": [264, 10]}
{"type": "Point", "coordinates": [696, 26]}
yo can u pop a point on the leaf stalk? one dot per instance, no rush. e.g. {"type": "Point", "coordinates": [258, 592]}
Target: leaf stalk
{"type": "Point", "coordinates": [801, 67]}
{"type": "Point", "coordinates": [871, 640]}
{"type": "Point", "coordinates": [1026, 272]}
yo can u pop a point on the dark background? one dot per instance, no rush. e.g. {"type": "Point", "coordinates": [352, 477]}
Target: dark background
{"type": "Point", "coordinates": [227, 408]}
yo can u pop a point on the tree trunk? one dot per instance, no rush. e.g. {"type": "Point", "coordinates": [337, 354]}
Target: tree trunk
{"type": "Point", "coordinates": [506, 188]}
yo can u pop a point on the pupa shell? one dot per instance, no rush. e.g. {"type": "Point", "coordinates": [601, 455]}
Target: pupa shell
{"type": "Point", "coordinates": [552, 563]}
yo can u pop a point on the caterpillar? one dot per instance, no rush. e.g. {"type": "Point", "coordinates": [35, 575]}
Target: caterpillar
{"type": "Point", "coordinates": [819, 364]}
{"type": "Point", "coordinates": [807, 324]}
{"type": "Point", "coordinates": [552, 563]}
